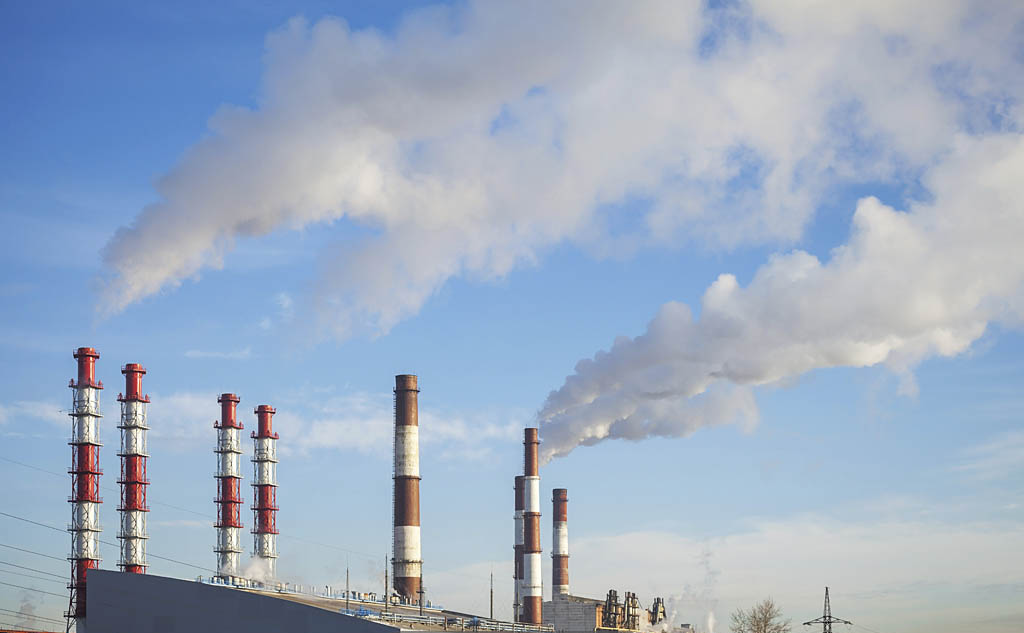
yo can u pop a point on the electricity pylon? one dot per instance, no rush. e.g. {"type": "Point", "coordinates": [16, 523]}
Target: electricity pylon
{"type": "Point", "coordinates": [826, 620]}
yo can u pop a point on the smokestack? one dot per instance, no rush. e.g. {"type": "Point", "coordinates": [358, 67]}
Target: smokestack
{"type": "Point", "coordinates": [134, 480]}
{"type": "Point", "coordinates": [518, 551]}
{"type": "Point", "coordinates": [560, 542]}
{"type": "Point", "coordinates": [408, 559]}
{"type": "Point", "coordinates": [229, 496]}
{"type": "Point", "coordinates": [85, 474]}
{"type": "Point", "coordinates": [264, 461]}
{"type": "Point", "coordinates": [532, 593]}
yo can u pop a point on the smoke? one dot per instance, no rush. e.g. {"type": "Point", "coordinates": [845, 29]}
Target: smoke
{"type": "Point", "coordinates": [695, 599]}
{"type": "Point", "coordinates": [27, 610]}
{"type": "Point", "coordinates": [476, 137]}
{"type": "Point", "coordinates": [908, 285]}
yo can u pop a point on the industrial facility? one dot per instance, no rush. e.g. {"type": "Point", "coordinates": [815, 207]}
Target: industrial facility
{"type": "Point", "coordinates": [230, 600]}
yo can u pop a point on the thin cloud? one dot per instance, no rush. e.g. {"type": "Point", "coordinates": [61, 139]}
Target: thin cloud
{"type": "Point", "coordinates": [999, 458]}
{"type": "Point", "coordinates": [241, 354]}
{"type": "Point", "coordinates": [24, 412]}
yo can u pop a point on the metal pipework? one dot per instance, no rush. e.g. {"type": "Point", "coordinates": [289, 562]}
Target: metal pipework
{"type": "Point", "coordinates": [85, 486]}
{"type": "Point", "coordinates": [532, 591]}
{"type": "Point", "coordinates": [229, 496]}
{"type": "Point", "coordinates": [517, 574]}
{"type": "Point", "coordinates": [264, 461]}
{"type": "Point", "coordinates": [560, 542]}
{"type": "Point", "coordinates": [407, 556]}
{"type": "Point", "coordinates": [134, 479]}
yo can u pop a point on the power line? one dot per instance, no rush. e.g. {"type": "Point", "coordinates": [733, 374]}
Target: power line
{"type": "Point", "coordinates": [32, 615]}
{"type": "Point", "coordinates": [56, 529]}
{"type": "Point", "coordinates": [39, 571]}
{"type": "Point", "coordinates": [18, 573]}
{"type": "Point", "coordinates": [49, 593]}
{"type": "Point", "coordinates": [193, 512]}
{"type": "Point", "coordinates": [28, 551]}
{"type": "Point", "coordinates": [21, 627]}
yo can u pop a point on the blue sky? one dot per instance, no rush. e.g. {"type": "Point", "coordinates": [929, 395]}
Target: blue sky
{"type": "Point", "coordinates": [484, 196]}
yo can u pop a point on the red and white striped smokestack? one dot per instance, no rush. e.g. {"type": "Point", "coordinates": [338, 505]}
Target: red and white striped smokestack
{"type": "Point", "coordinates": [560, 542]}
{"type": "Point", "coordinates": [408, 559]}
{"type": "Point", "coordinates": [229, 495]}
{"type": "Point", "coordinates": [134, 480]}
{"type": "Point", "coordinates": [264, 461]}
{"type": "Point", "coordinates": [517, 574]}
{"type": "Point", "coordinates": [85, 485]}
{"type": "Point", "coordinates": [532, 593]}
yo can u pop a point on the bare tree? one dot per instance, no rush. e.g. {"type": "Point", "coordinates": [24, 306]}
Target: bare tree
{"type": "Point", "coordinates": [763, 617]}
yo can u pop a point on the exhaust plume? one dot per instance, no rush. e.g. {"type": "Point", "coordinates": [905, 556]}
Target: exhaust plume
{"type": "Point", "coordinates": [473, 138]}
{"type": "Point", "coordinates": [908, 285]}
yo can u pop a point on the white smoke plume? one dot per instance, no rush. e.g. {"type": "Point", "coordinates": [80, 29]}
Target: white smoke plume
{"type": "Point", "coordinates": [477, 136]}
{"type": "Point", "coordinates": [907, 285]}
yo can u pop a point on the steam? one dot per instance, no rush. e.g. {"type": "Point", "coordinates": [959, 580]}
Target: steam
{"type": "Point", "coordinates": [476, 137]}
{"type": "Point", "coordinates": [908, 285]}
{"type": "Point", "coordinates": [258, 569]}
{"type": "Point", "coordinates": [710, 622]}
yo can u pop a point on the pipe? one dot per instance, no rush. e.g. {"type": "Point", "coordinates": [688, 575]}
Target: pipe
{"type": "Point", "coordinates": [532, 593]}
{"type": "Point", "coordinates": [85, 485]}
{"type": "Point", "coordinates": [134, 479]}
{"type": "Point", "coordinates": [560, 542]}
{"type": "Point", "coordinates": [229, 496]}
{"type": "Point", "coordinates": [408, 558]}
{"type": "Point", "coordinates": [264, 461]}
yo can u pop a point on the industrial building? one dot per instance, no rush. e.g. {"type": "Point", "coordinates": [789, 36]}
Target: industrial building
{"type": "Point", "coordinates": [132, 600]}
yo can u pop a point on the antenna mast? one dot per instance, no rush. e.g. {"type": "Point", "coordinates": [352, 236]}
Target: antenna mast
{"type": "Point", "coordinates": [826, 620]}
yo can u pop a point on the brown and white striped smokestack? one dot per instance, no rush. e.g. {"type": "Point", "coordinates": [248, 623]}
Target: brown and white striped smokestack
{"type": "Point", "coordinates": [532, 593]}
{"type": "Point", "coordinates": [408, 559]}
{"type": "Point", "coordinates": [519, 554]}
{"type": "Point", "coordinates": [560, 542]}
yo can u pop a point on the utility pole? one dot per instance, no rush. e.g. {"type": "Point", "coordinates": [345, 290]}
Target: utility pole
{"type": "Point", "coordinates": [386, 599]}
{"type": "Point", "coordinates": [421, 592]}
{"type": "Point", "coordinates": [346, 585]}
{"type": "Point", "coordinates": [492, 594]}
{"type": "Point", "coordinates": [826, 620]}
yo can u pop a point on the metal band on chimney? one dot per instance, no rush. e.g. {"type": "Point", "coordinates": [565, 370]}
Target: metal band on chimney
{"type": "Point", "coordinates": [408, 559]}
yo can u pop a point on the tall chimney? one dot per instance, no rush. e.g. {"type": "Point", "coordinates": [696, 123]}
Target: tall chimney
{"type": "Point", "coordinates": [532, 593]}
{"type": "Point", "coordinates": [229, 495]}
{"type": "Point", "coordinates": [518, 552]}
{"type": "Point", "coordinates": [560, 542]}
{"type": "Point", "coordinates": [264, 461]}
{"type": "Point", "coordinates": [408, 559]}
{"type": "Point", "coordinates": [85, 485]}
{"type": "Point", "coordinates": [134, 480]}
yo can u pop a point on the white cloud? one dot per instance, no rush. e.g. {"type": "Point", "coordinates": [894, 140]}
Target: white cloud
{"type": "Point", "coordinates": [25, 412]}
{"type": "Point", "coordinates": [349, 422]}
{"type": "Point", "coordinates": [898, 576]}
{"type": "Point", "coordinates": [241, 354]}
{"type": "Point", "coordinates": [188, 416]}
{"type": "Point", "coordinates": [477, 136]}
{"type": "Point", "coordinates": [1000, 457]}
